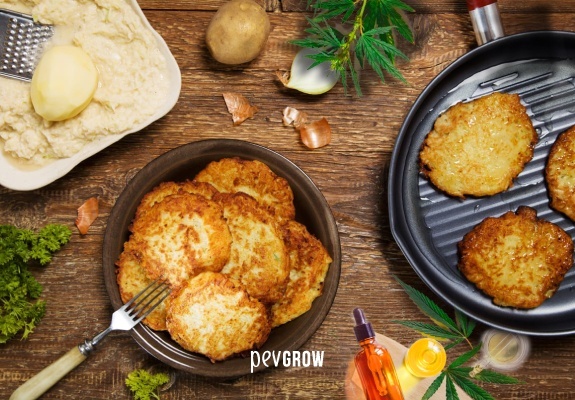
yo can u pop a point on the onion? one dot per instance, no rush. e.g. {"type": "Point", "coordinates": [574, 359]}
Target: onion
{"type": "Point", "coordinates": [317, 80]}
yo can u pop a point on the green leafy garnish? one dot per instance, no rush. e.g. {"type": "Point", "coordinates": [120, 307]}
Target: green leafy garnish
{"type": "Point", "coordinates": [453, 332]}
{"type": "Point", "coordinates": [351, 33]}
{"type": "Point", "coordinates": [443, 327]}
{"type": "Point", "coordinates": [144, 385]}
{"type": "Point", "coordinates": [20, 311]}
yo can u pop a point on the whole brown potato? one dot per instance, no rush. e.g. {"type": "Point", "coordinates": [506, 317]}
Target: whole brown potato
{"type": "Point", "coordinates": [238, 32]}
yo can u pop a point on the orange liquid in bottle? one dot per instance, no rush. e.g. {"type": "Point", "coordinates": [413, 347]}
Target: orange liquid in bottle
{"type": "Point", "coordinates": [374, 364]}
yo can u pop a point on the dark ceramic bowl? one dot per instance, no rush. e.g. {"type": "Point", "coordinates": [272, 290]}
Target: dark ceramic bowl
{"type": "Point", "coordinates": [184, 163]}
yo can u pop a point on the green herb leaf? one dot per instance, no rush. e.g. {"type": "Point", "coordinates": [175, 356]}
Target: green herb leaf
{"type": "Point", "coordinates": [429, 308]}
{"type": "Point", "coordinates": [489, 376]}
{"type": "Point", "coordinates": [20, 311]}
{"type": "Point", "coordinates": [450, 390]}
{"type": "Point", "coordinates": [434, 331]}
{"type": "Point", "coordinates": [472, 390]}
{"type": "Point", "coordinates": [434, 386]}
{"type": "Point", "coordinates": [144, 385]}
{"type": "Point", "coordinates": [462, 359]}
{"type": "Point", "coordinates": [364, 34]}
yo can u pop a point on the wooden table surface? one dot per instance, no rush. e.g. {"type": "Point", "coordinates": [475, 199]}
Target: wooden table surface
{"type": "Point", "coordinates": [351, 172]}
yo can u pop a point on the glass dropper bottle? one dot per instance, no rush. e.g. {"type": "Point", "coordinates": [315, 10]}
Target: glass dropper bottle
{"type": "Point", "coordinates": [374, 364]}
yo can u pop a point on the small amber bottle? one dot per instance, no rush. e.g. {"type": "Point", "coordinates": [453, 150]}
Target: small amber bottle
{"type": "Point", "coordinates": [374, 364]}
{"type": "Point", "coordinates": [425, 358]}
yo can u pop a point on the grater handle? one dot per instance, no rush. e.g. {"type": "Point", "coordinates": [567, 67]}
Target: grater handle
{"type": "Point", "coordinates": [486, 20]}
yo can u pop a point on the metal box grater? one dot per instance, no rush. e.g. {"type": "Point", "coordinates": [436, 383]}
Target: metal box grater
{"type": "Point", "coordinates": [21, 42]}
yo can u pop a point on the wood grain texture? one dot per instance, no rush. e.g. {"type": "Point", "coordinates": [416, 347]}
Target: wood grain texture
{"type": "Point", "coordinates": [351, 172]}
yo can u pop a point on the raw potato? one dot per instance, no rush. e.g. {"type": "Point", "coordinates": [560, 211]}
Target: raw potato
{"type": "Point", "coordinates": [238, 32]}
{"type": "Point", "coordinates": [63, 83]}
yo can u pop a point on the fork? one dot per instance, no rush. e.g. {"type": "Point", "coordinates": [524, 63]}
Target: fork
{"type": "Point", "coordinates": [123, 319]}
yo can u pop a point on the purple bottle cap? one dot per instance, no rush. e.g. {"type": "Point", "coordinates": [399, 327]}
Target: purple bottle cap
{"type": "Point", "coordinates": [362, 329]}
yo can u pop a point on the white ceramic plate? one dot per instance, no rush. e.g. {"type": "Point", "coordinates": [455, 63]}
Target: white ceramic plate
{"type": "Point", "coordinates": [16, 178]}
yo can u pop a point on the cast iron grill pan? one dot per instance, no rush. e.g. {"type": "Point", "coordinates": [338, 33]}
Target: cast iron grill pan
{"type": "Point", "coordinates": [427, 224]}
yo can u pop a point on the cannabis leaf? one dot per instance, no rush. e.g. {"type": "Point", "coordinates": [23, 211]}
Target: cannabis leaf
{"type": "Point", "coordinates": [444, 327]}
{"type": "Point", "coordinates": [363, 36]}
{"type": "Point", "coordinates": [455, 331]}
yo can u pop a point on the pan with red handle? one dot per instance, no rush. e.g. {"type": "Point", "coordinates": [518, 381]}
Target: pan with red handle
{"type": "Point", "coordinates": [427, 224]}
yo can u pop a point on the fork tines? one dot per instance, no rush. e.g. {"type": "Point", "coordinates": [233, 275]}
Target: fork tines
{"type": "Point", "coordinates": [144, 302]}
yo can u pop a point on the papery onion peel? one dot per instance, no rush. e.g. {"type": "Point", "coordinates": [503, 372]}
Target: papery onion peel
{"type": "Point", "coordinates": [314, 134]}
{"type": "Point", "coordinates": [239, 107]}
{"type": "Point", "coordinates": [87, 214]}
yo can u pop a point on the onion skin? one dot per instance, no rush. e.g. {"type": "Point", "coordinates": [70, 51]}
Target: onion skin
{"type": "Point", "coordinates": [87, 214]}
{"type": "Point", "coordinates": [316, 134]}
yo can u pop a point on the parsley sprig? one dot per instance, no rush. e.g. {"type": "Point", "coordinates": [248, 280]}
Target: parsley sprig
{"type": "Point", "coordinates": [353, 34]}
{"type": "Point", "coordinates": [453, 332]}
{"type": "Point", "coordinates": [20, 309]}
{"type": "Point", "coordinates": [144, 385]}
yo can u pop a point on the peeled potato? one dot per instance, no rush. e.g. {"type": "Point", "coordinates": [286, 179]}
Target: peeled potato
{"type": "Point", "coordinates": [238, 32]}
{"type": "Point", "coordinates": [63, 83]}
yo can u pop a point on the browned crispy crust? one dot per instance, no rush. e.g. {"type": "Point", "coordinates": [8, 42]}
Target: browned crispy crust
{"type": "Point", "coordinates": [309, 263]}
{"type": "Point", "coordinates": [132, 279]}
{"type": "Point", "coordinates": [166, 189]}
{"type": "Point", "coordinates": [231, 175]}
{"type": "Point", "coordinates": [560, 174]}
{"type": "Point", "coordinates": [181, 236]}
{"type": "Point", "coordinates": [213, 315]}
{"type": "Point", "coordinates": [517, 259]}
{"type": "Point", "coordinates": [258, 258]}
{"type": "Point", "coordinates": [477, 148]}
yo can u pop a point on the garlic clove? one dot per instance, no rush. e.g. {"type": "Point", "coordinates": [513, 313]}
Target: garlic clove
{"type": "Point", "coordinates": [317, 80]}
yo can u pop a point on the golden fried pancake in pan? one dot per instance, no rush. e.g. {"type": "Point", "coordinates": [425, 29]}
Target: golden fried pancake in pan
{"type": "Point", "coordinates": [132, 279]}
{"type": "Point", "coordinates": [181, 236]}
{"type": "Point", "coordinates": [258, 258]}
{"type": "Point", "coordinates": [166, 189]}
{"type": "Point", "coordinates": [231, 175]}
{"type": "Point", "coordinates": [517, 259]}
{"type": "Point", "coordinates": [560, 173]}
{"type": "Point", "coordinates": [477, 148]}
{"type": "Point", "coordinates": [309, 262]}
{"type": "Point", "coordinates": [213, 315]}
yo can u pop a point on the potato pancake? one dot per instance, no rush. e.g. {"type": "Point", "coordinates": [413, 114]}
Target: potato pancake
{"type": "Point", "coordinates": [517, 259]}
{"type": "Point", "coordinates": [181, 236]}
{"type": "Point", "coordinates": [166, 189]}
{"type": "Point", "coordinates": [560, 173]}
{"type": "Point", "coordinates": [132, 279]}
{"type": "Point", "coordinates": [309, 262]}
{"type": "Point", "coordinates": [232, 175]}
{"type": "Point", "coordinates": [258, 258]}
{"type": "Point", "coordinates": [478, 148]}
{"type": "Point", "coordinates": [213, 315]}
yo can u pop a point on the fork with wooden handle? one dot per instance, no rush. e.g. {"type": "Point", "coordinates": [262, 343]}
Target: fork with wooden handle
{"type": "Point", "coordinates": [124, 319]}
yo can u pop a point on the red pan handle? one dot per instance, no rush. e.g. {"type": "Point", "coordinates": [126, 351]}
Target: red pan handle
{"type": "Point", "coordinates": [473, 4]}
{"type": "Point", "coordinates": [485, 20]}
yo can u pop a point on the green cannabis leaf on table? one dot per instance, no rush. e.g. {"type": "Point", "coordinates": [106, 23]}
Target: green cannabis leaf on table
{"type": "Point", "coordinates": [453, 332]}
{"type": "Point", "coordinates": [357, 33]}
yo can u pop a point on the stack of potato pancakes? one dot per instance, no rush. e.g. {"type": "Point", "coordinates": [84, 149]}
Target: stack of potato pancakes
{"type": "Point", "coordinates": [228, 245]}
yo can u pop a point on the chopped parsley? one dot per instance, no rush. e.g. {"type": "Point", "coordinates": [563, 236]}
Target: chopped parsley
{"type": "Point", "coordinates": [20, 309]}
